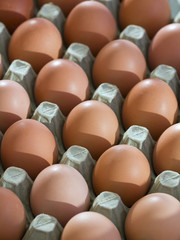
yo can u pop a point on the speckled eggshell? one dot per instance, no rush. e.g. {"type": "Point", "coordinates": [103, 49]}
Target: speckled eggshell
{"type": "Point", "coordinates": [155, 216]}
{"type": "Point", "coordinates": [165, 47]}
{"type": "Point", "coordinates": [65, 5]}
{"type": "Point", "coordinates": [15, 12]}
{"type": "Point", "coordinates": [14, 104]}
{"type": "Point", "coordinates": [62, 82]}
{"type": "Point", "coordinates": [92, 24]}
{"type": "Point", "coordinates": [93, 125]}
{"type": "Point", "coordinates": [145, 13]}
{"type": "Point", "coordinates": [166, 155]}
{"type": "Point", "coordinates": [152, 104]}
{"type": "Point", "coordinates": [121, 63]}
{"type": "Point", "coordinates": [36, 41]}
{"type": "Point", "coordinates": [90, 226]}
{"type": "Point", "coordinates": [12, 217]}
{"type": "Point", "coordinates": [60, 191]}
{"type": "Point", "coordinates": [30, 145]}
{"type": "Point", "coordinates": [122, 169]}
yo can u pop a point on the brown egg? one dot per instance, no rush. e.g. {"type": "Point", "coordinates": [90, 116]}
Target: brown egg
{"type": "Point", "coordinates": [14, 103]}
{"type": "Point", "coordinates": [12, 217]}
{"type": "Point", "coordinates": [15, 12]}
{"type": "Point", "coordinates": [120, 63]}
{"type": "Point", "coordinates": [166, 154]}
{"type": "Point", "coordinates": [65, 5]}
{"type": "Point", "coordinates": [1, 67]}
{"type": "Point", "coordinates": [164, 48]}
{"type": "Point", "coordinates": [155, 216]}
{"type": "Point", "coordinates": [122, 169]}
{"type": "Point", "coordinates": [90, 226]}
{"type": "Point", "coordinates": [145, 13]}
{"type": "Point", "coordinates": [36, 41]}
{"type": "Point", "coordinates": [93, 125]}
{"type": "Point", "coordinates": [62, 82]}
{"type": "Point", "coordinates": [60, 191]}
{"type": "Point", "coordinates": [92, 24]}
{"type": "Point", "coordinates": [30, 145]}
{"type": "Point", "coordinates": [151, 104]}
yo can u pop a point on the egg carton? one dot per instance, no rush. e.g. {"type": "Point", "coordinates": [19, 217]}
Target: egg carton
{"type": "Point", "coordinates": [109, 204]}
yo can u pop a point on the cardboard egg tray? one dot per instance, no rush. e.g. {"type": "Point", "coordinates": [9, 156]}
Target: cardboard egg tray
{"type": "Point", "coordinates": [43, 226]}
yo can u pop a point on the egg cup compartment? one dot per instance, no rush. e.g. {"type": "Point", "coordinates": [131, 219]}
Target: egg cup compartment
{"type": "Point", "coordinates": [50, 115]}
{"type": "Point", "coordinates": [43, 227]}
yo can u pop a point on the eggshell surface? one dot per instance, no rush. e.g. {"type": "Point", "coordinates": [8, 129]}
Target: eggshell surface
{"type": "Point", "coordinates": [36, 41]}
{"type": "Point", "coordinates": [92, 24]}
{"type": "Point", "coordinates": [60, 191]}
{"type": "Point", "coordinates": [121, 63]}
{"type": "Point", "coordinates": [164, 48]}
{"type": "Point", "coordinates": [122, 169]}
{"type": "Point", "coordinates": [14, 104]}
{"type": "Point", "coordinates": [145, 13]}
{"type": "Point", "coordinates": [155, 216]}
{"type": "Point", "coordinates": [15, 12]}
{"type": "Point", "coordinates": [166, 155]}
{"type": "Point", "coordinates": [152, 104]}
{"type": "Point", "coordinates": [90, 226]}
{"type": "Point", "coordinates": [65, 5]}
{"type": "Point", "coordinates": [12, 217]}
{"type": "Point", "coordinates": [93, 125]}
{"type": "Point", "coordinates": [62, 82]}
{"type": "Point", "coordinates": [30, 145]}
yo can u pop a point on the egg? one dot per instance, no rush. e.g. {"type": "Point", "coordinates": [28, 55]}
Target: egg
{"type": "Point", "coordinates": [14, 104]}
{"type": "Point", "coordinates": [124, 170]}
{"type": "Point", "coordinates": [164, 47]}
{"type": "Point", "coordinates": [65, 5]}
{"type": "Point", "coordinates": [155, 216]}
{"type": "Point", "coordinates": [93, 125]}
{"type": "Point", "coordinates": [60, 191]}
{"type": "Point", "coordinates": [36, 41]}
{"type": "Point", "coordinates": [12, 217]}
{"type": "Point", "coordinates": [92, 24]}
{"type": "Point", "coordinates": [62, 82]}
{"type": "Point", "coordinates": [145, 13]}
{"type": "Point", "coordinates": [166, 155]}
{"type": "Point", "coordinates": [121, 63]}
{"type": "Point", "coordinates": [152, 104]}
{"type": "Point", "coordinates": [30, 145]}
{"type": "Point", "coordinates": [15, 12]}
{"type": "Point", "coordinates": [1, 67]}
{"type": "Point", "coordinates": [90, 226]}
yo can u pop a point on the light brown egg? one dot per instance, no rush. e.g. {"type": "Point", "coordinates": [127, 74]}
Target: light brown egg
{"type": "Point", "coordinates": [30, 145]}
{"type": "Point", "coordinates": [166, 154]}
{"type": "Point", "coordinates": [36, 41]}
{"type": "Point", "coordinates": [65, 5]}
{"type": "Point", "coordinates": [14, 104]}
{"type": "Point", "coordinates": [164, 48]}
{"type": "Point", "coordinates": [1, 67]}
{"type": "Point", "coordinates": [60, 191]}
{"type": "Point", "coordinates": [15, 12]}
{"type": "Point", "coordinates": [152, 104]}
{"type": "Point", "coordinates": [121, 63]}
{"type": "Point", "coordinates": [90, 226]}
{"type": "Point", "coordinates": [145, 13]}
{"type": "Point", "coordinates": [125, 170]}
{"type": "Point", "coordinates": [12, 217]}
{"type": "Point", "coordinates": [90, 23]}
{"type": "Point", "coordinates": [155, 216]}
{"type": "Point", "coordinates": [93, 125]}
{"type": "Point", "coordinates": [62, 82]}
